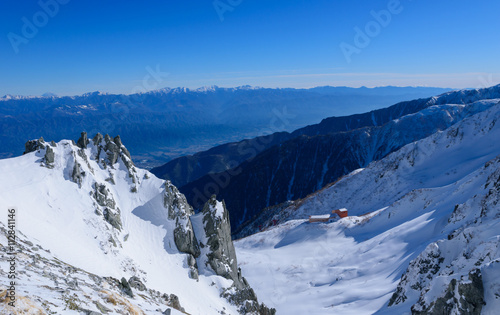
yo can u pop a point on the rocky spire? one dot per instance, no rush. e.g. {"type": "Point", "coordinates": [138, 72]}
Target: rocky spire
{"type": "Point", "coordinates": [83, 141]}
{"type": "Point", "coordinates": [180, 211]}
{"type": "Point", "coordinates": [221, 257]}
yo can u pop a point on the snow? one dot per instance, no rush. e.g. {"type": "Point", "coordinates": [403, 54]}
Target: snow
{"type": "Point", "coordinates": [219, 210]}
{"type": "Point", "coordinates": [353, 266]}
{"type": "Point", "coordinates": [55, 212]}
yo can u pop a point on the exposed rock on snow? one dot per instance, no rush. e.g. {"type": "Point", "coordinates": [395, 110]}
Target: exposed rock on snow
{"type": "Point", "coordinates": [219, 255]}
{"type": "Point", "coordinates": [180, 211]}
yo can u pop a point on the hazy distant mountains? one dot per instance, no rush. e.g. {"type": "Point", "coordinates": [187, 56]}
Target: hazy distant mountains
{"type": "Point", "coordinates": [168, 123]}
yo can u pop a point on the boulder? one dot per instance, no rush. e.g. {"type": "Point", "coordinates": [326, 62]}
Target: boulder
{"type": "Point", "coordinates": [136, 283]}
{"type": "Point", "coordinates": [125, 287]}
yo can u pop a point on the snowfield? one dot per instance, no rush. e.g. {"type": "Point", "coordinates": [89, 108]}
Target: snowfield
{"type": "Point", "coordinates": [426, 194]}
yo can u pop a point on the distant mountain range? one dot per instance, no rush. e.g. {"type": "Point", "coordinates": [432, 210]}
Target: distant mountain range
{"type": "Point", "coordinates": [168, 123]}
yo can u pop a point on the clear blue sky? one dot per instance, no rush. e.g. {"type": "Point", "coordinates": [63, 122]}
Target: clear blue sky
{"type": "Point", "coordinates": [108, 45]}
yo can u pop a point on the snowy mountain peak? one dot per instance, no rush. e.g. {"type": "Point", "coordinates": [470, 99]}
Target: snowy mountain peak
{"type": "Point", "coordinates": [124, 230]}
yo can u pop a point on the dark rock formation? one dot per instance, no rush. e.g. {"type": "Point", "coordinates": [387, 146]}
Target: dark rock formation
{"type": "Point", "coordinates": [76, 174]}
{"type": "Point", "coordinates": [83, 141]}
{"type": "Point", "coordinates": [112, 150]}
{"type": "Point", "coordinates": [103, 196]}
{"type": "Point", "coordinates": [180, 211]}
{"type": "Point", "coordinates": [193, 267]}
{"type": "Point", "coordinates": [221, 257]}
{"type": "Point", "coordinates": [49, 156]}
{"type": "Point", "coordinates": [136, 283]}
{"type": "Point", "coordinates": [470, 298]}
{"type": "Point", "coordinates": [113, 218]}
{"type": "Point", "coordinates": [33, 145]}
{"type": "Point", "coordinates": [97, 139]}
{"type": "Point", "coordinates": [125, 287]}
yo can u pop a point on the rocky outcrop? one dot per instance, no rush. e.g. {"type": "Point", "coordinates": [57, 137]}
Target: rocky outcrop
{"type": "Point", "coordinates": [136, 283]}
{"type": "Point", "coordinates": [103, 196]}
{"type": "Point", "coordinates": [77, 174]}
{"type": "Point", "coordinates": [447, 277]}
{"type": "Point", "coordinates": [33, 145]}
{"type": "Point", "coordinates": [465, 297]}
{"type": "Point", "coordinates": [83, 141]}
{"type": "Point", "coordinates": [125, 287]}
{"type": "Point", "coordinates": [105, 201]}
{"type": "Point", "coordinates": [221, 258]}
{"type": "Point", "coordinates": [222, 255]}
{"type": "Point", "coordinates": [193, 267]}
{"type": "Point", "coordinates": [113, 218]}
{"type": "Point", "coordinates": [180, 211]}
{"type": "Point", "coordinates": [49, 156]}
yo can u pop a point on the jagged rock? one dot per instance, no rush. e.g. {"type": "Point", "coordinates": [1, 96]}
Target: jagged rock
{"type": "Point", "coordinates": [175, 303]}
{"type": "Point", "coordinates": [176, 203]}
{"type": "Point", "coordinates": [113, 218]}
{"type": "Point", "coordinates": [222, 255]}
{"type": "Point", "coordinates": [49, 156]}
{"type": "Point", "coordinates": [193, 267]}
{"type": "Point", "coordinates": [168, 311]}
{"type": "Point", "coordinates": [136, 283]}
{"type": "Point", "coordinates": [76, 175]}
{"type": "Point", "coordinates": [118, 141]}
{"type": "Point", "coordinates": [103, 196]}
{"type": "Point", "coordinates": [33, 145]}
{"type": "Point", "coordinates": [83, 141]}
{"type": "Point", "coordinates": [97, 139]}
{"type": "Point", "coordinates": [180, 211]}
{"type": "Point", "coordinates": [112, 150]}
{"type": "Point", "coordinates": [184, 238]}
{"type": "Point", "coordinates": [469, 300]}
{"type": "Point", "coordinates": [125, 287]}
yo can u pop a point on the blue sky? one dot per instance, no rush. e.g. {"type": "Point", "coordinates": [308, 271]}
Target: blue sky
{"type": "Point", "coordinates": [112, 46]}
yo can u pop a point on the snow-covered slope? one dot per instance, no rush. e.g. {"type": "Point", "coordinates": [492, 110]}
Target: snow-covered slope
{"type": "Point", "coordinates": [422, 234]}
{"type": "Point", "coordinates": [87, 217]}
